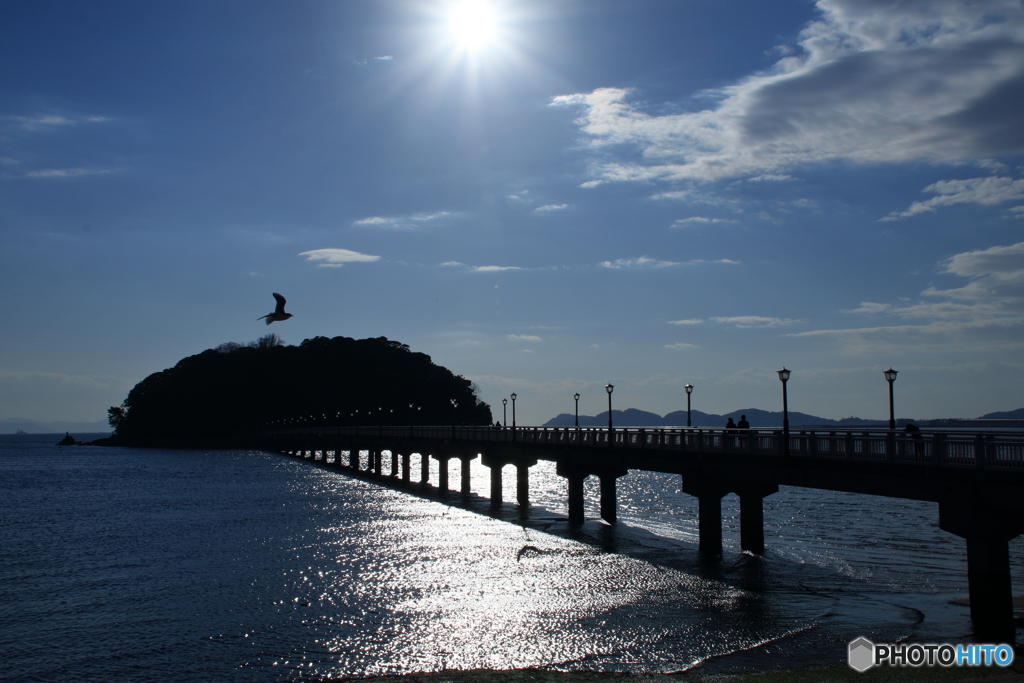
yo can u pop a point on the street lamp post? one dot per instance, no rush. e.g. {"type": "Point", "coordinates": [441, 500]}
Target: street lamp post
{"type": "Point", "coordinates": [577, 397]}
{"type": "Point", "coordinates": [608, 388]}
{"type": "Point", "coordinates": [689, 390]}
{"type": "Point", "coordinates": [890, 377]}
{"type": "Point", "coordinates": [454, 406]}
{"type": "Point", "coordinates": [784, 376]}
{"type": "Point", "coordinates": [513, 397]}
{"type": "Point", "coordinates": [504, 412]}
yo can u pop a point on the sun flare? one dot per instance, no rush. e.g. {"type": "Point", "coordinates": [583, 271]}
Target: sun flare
{"type": "Point", "coordinates": [472, 24]}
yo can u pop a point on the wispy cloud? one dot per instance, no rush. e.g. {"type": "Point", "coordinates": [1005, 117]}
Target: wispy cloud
{"type": "Point", "coordinates": [691, 321]}
{"type": "Point", "coordinates": [867, 82]}
{"type": "Point", "coordinates": [524, 337]}
{"type": "Point", "coordinates": [681, 346]}
{"type": "Point", "coordinates": [408, 222]}
{"type": "Point", "coordinates": [547, 208]}
{"type": "Point", "coordinates": [753, 321]}
{"type": "Point", "coordinates": [336, 258]}
{"type": "Point", "coordinates": [641, 262]}
{"type": "Point", "coordinates": [990, 190]}
{"type": "Point", "coordinates": [698, 220]}
{"type": "Point", "coordinates": [493, 269]}
{"type": "Point", "coordinates": [986, 313]}
{"type": "Point", "coordinates": [64, 172]}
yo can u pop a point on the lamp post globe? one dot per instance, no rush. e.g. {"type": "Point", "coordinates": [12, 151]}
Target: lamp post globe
{"type": "Point", "coordinates": [784, 377]}
{"type": "Point", "coordinates": [576, 396]}
{"type": "Point", "coordinates": [890, 377]}
{"type": "Point", "coordinates": [689, 390]}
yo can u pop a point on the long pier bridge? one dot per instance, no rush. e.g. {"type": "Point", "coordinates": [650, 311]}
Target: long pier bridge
{"type": "Point", "coordinates": [977, 479]}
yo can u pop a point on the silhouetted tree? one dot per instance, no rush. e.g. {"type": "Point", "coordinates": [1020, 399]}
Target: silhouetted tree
{"type": "Point", "coordinates": [321, 381]}
{"type": "Point", "coordinates": [115, 416]}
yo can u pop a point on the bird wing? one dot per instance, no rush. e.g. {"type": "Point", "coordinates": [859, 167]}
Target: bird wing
{"type": "Point", "coordinates": [280, 303]}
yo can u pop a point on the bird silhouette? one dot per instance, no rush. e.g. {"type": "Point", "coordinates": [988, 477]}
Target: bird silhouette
{"type": "Point", "coordinates": [278, 313]}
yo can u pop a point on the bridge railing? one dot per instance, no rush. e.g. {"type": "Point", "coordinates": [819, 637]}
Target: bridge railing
{"type": "Point", "coordinates": [943, 448]}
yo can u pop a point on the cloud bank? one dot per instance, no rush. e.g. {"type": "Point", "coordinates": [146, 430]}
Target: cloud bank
{"type": "Point", "coordinates": [871, 82]}
{"type": "Point", "coordinates": [336, 258]}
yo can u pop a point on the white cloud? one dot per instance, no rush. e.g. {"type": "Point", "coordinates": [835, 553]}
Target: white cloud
{"type": "Point", "coordinates": [551, 207]}
{"type": "Point", "coordinates": [871, 82]}
{"type": "Point", "coordinates": [691, 321]}
{"type": "Point", "coordinates": [336, 258]}
{"type": "Point", "coordinates": [990, 190]}
{"type": "Point", "coordinates": [681, 346]}
{"type": "Point", "coordinates": [641, 262]}
{"type": "Point", "coordinates": [986, 314]}
{"type": "Point", "coordinates": [409, 222]}
{"type": "Point", "coordinates": [64, 172]}
{"type": "Point", "coordinates": [493, 269]}
{"type": "Point", "coordinates": [753, 321]}
{"type": "Point", "coordinates": [524, 337]}
{"type": "Point", "coordinates": [769, 178]}
{"type": "Point", "coordinates": [698, 220]}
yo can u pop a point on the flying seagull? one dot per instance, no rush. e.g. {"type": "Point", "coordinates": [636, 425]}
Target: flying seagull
{"type": "Point", "coordinates": [278, 313]}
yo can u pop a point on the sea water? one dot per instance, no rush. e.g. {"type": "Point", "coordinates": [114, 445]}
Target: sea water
{"type": "Point", "coordinates": [167, 565]}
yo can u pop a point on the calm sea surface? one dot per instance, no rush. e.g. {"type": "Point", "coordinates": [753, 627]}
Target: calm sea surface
{"type": "Point", "coordinates": [162, 565]}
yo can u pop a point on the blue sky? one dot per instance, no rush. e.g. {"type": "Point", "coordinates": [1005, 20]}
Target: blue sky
{"type": "Point", "coordinates": [544, 195]}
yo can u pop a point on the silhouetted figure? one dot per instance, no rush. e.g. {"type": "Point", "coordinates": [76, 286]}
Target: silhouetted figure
{"type": "Point", "coordinates": [730, 424]}
{"type": "Point", "coordinates": [278, 314]}
{"type": "Point", "coordinates": [917, 445]}
{"type": "Point", "coordinates": [743, 424]}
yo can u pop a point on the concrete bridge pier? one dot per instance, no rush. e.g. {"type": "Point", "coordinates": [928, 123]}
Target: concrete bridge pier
{"type": "Point", "coordinates": [988, 534]}
{"type": "Point", "coordinates": [576, 474]}
{"type": "Point", "coordinates": [523, 484]}
{"type": "Point", "coordinates": [353, 459]}
{"type": "Point", "coordinates": [394, 463]}
{"type": "Point", "coordinates": [406, 457]}
{"type": "Point", "coordinates": [752, 515]}
{"type": "Point", "coordinates": [609, 500]}
{"type": "Point", "coordinates": [466, 460]}
{"type": "Point", "coordinates": [496, 461]}
{"type": "Point", "coordinates": [496, 483]}
{"type": "Point", "coordinates": [378, 465]}
{"type": "Point", "coordinates": [442, 468]}
{"type": "Point", "coordinates": [424, 468]}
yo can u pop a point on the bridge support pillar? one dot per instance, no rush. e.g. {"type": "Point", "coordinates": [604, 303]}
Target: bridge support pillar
{"type": "Point", "coordinates": [523, 484]}
{"type": "Point", "coordinates": [394, 463]}
{"type": "Point", "coordinates": [988, 534]}
{"type": "Point", "coordinates": [752, 516]}
{"type": "Point", "coordinates": [576, 515]}
{"type": "Point", "coordinates": [609, 503]}
{"type": "Point", "coordinates": [576, 474]}
{"type": "Point", "coordinates": [378, 466]}
{"type": "Point", "coordinates": [709, 522]}
{"type": "Point", "coordinates": [424, 468]}
{"type": "Point", "coordinates": [466, 460]}
{"type": "Point", "coordinates": [442, 472]}
{"type": "Point", "coordinates": [405, 467]}
{"type": "Point", "coordinates": [353, 459]}
{"type": "Point", "coordinates": [496, 484]}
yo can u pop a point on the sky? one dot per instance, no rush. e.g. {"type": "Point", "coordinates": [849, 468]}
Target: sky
{"type": "Point", "coordinates": [545, 196]}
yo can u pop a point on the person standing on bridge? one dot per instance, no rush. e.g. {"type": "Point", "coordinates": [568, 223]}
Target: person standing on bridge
{"type": "Point", "coordinates": [743, 424]}
{"type": "Point", "coordinates": [730, 424]}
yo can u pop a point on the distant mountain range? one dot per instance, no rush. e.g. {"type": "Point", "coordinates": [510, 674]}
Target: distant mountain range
{"type": "Point", "coordinates": [757, 419]}
{"type": "Point", "coordinates": [15, 424]}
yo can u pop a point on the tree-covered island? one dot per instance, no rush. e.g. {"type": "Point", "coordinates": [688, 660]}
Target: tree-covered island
{"type": "Point", "coordinates": [218, 398]}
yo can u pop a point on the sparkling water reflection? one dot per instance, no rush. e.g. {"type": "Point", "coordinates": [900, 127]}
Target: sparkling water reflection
{"type": "Point", "coordinates": [124, 564]}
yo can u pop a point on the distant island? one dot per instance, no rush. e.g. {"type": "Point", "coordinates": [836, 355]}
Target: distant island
{"type": "Point", "coordinates": [217, 398]}
{"type": "Point", "coordinates": [765, 419]}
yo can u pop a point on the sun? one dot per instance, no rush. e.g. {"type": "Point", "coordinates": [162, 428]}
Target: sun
{"type": "Point", "coordinates": [472, 24]}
